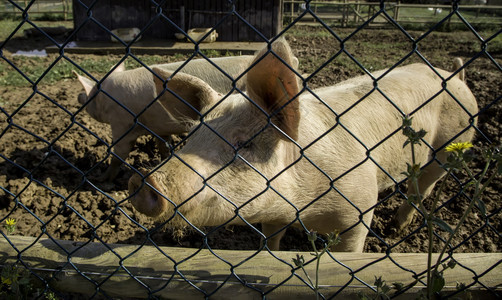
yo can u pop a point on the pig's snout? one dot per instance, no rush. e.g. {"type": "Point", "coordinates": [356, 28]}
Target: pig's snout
{"type": "Point", "coordinates": [145, 199]}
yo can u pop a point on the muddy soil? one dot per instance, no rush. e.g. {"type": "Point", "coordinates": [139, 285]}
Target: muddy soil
{"type": "Point", "coordinates": [48, 145]}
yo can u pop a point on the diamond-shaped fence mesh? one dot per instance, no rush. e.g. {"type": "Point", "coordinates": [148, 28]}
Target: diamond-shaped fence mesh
{"type": "Point", "coordinates": [218, 149]}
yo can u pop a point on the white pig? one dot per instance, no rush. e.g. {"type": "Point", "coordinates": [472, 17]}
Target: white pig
{"type": "Point", "coordinates": [316, 160]}
{"type": "Point", "coordinates": [135, 89]}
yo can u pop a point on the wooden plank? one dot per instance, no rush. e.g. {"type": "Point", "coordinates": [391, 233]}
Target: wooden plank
{"type": "Point", "coordinates": [211, 6]}
{"type": "Point", "coordinates": [197, 16]}
{"type": "Point", "coordinates": [227, 28]}
{"type": "Point", "coordinates": [163, 47]}
{"type": "Point", "coordinates": [236, 23]}
{"type": "Point", "coordinates": [173, 11]}
{"type": "Point", "coordinates": [245, 10]}
{"type": "Point", "coordinates": [218, 7]}
{"type": "Point", "coordinates": [181, 273]}
{"type": "Point", "coordinates": [277, 17]}
{"type": "Point", "coordinates": [259, 19]}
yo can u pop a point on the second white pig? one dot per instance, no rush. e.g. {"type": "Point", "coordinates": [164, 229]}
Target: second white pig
{"type": "Point", "coordinates": [125, 94]}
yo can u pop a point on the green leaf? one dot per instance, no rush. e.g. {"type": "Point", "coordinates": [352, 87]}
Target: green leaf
{"type": "Point", "coordinates": [442, 224]}
{"type": "Point", "coordinates": [299, 261]}
{"type": "Point", "coordinates": [438, 282]}
{"type": "Point", "coordinates": [407, 121]}
{"type": "Point", "coordinates": [460, 286]}
{"type": "Point", "coordinates": [363, 296]}
{"type": "Point", "coordinates": [378, 281]}
{"type": "Point", "coordinates": [481, 206]}
{"type": "Point", "coordinates": [312, 236]}
{"type": "Point", "coordinates": [421, 133]}
{"type": "Point", "coordinates": [468, 156]}
{"type": "Point", "coordinates": [333, 238]}
{"type": "Point", "coordinates": [385, 289]}
{"type": "Point", "coordinates": [406, 143]}
{"type": "Point", "coordinates": [398, 286]}
{"type": "Point", "coordinates": [413, 198]}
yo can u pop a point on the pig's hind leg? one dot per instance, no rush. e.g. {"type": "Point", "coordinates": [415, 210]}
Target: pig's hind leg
{"type": "Point", "coordinates": [426, 182]}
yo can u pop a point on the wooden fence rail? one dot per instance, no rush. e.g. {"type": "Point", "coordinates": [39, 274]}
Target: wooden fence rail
{"type": "Point", "coordinates": [109, 265]}
{"type": "Point", "coordinates": [39, 7]}
{"type": "Point", "coordinates": [357, 12]}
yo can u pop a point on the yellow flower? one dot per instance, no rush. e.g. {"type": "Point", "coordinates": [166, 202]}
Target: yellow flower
{"type": "Point", "coordinates": [6, 281]}
{"type": "Point", "coordinates": [458, 147]}
{"type": "Point", "coordinates": [10, 222]}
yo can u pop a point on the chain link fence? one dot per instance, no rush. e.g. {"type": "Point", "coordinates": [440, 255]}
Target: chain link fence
{"type": "Point", "coordinates": [69, 173]}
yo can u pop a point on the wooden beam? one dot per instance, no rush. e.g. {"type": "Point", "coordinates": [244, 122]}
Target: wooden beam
{"type": "Point", "coordinates": [136, 271]}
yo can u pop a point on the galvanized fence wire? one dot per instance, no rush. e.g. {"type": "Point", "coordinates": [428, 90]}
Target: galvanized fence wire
{"type": "Point", "coordinates": [178, 273]}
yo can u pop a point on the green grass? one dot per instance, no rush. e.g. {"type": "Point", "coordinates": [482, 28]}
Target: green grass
{"type": "Point", "coordinates": [35, 67]}
{"type": "Point", "coordinates": [7, 26]}
{"type": "Point", "coordinates": [301, 32]}
{"type": "Point", "coordinates": [495, 44]}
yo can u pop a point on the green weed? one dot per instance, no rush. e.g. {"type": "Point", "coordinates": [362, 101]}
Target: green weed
{"type": "Point", "coordinates": [332, 239]}
{"type": "Point", "coordinates": [15, 283]}
{"type": "Point", "coordinates": [457, 162]}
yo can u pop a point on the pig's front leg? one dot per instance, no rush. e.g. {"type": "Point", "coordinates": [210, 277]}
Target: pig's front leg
{"type": "Point", "coordinates": [268, 230]}
{"type": "Point", "coordinates": [122, 150]}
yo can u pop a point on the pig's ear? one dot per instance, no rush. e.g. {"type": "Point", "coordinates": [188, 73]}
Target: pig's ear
{"type": "Point", "coordinates": [295, 63]}
{"type": "Point", "coordinates": [272, 84]}
{"type": "Point", "coordinates": [192, 89]}
{"type": "Point", "coordinates": [120, 68]}
{"type": "Point", "coordinates": [86, 83]}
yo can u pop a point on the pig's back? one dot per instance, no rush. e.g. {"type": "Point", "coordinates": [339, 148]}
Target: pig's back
{"type": "Point", "coordinates": [364, 120]}
{"type": "Point", "coordinates": [220, 82]}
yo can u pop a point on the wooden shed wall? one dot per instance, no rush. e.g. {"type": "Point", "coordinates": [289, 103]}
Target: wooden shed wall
{"type": "Point", "coordinates": [265, 16]}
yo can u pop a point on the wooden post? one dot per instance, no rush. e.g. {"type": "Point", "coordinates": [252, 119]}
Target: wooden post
{"type": "Point", "coordinates": [292, 11]}
{"type": "Point", "coordinates": [449, 19]}
{"type": "Point", "coordinates": [356, 15]}
{"type": "Point", "coordinates": [167, 270]}
{"type": "Point", "coordinates": [65, 9]}
{"type": "Point", "coordinates": [396, 11]}
{"type": "Point", "coordinates": [344, 14]}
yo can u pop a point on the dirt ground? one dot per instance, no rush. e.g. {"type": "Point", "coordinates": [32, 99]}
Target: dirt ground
{"type": "Point", "coordinates": [45, 138]}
